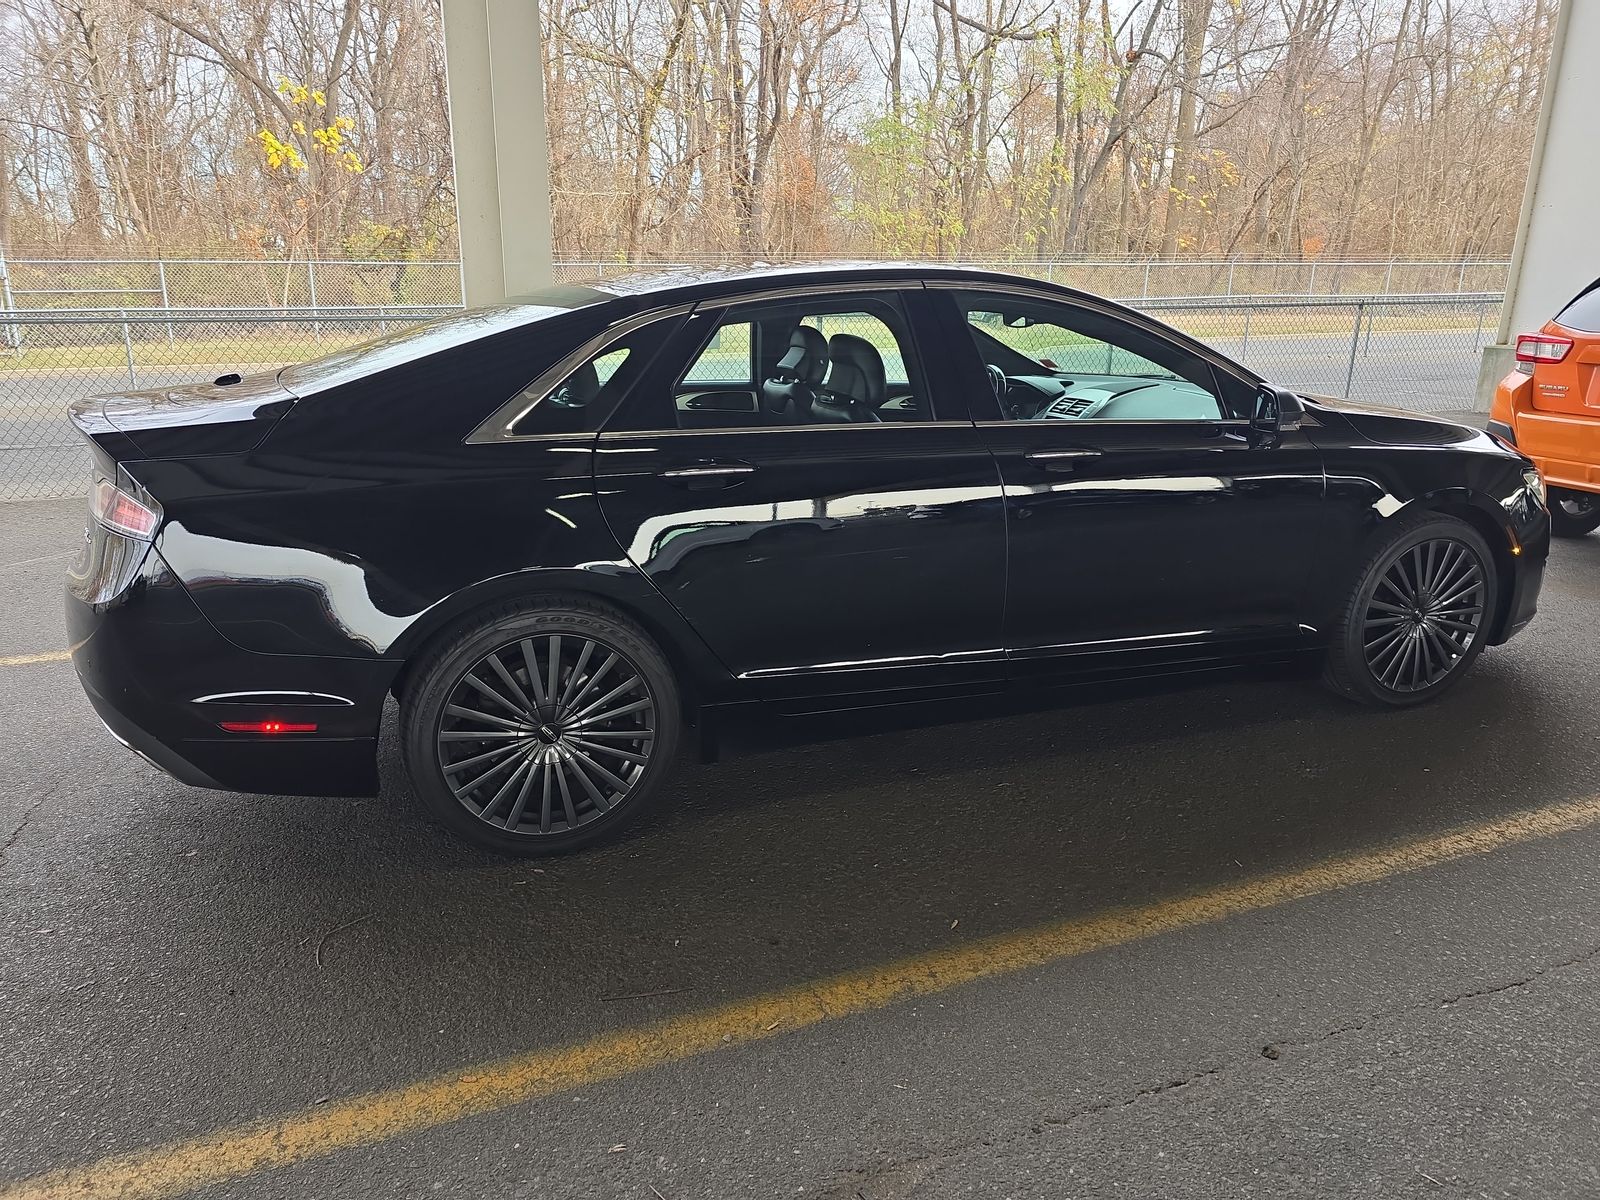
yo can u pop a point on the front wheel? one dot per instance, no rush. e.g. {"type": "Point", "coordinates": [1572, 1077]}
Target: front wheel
{"type": "Point", "coordinates": [1417, 615]}
{"type": "Point", "coordinates": [1573, 514]}
{"type": "Point", "coordinates": [540, 726]}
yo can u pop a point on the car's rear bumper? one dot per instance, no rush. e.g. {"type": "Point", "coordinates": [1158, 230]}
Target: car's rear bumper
{"type": "Point", "coordinates": [163, 680]}
{"type": "Point", "coordinates": [1564, 445]}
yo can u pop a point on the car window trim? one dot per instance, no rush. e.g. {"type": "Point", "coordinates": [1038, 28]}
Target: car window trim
{"type": "Point", "coordinates": [500, 427]}
{"type": "Point", "coordinates": [832, 426]}
{"type": "Point", "coordinates": [1092, 423]}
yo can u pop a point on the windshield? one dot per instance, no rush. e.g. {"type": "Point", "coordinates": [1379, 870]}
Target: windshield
{"type": "Point", "coordinates": [430, 337]}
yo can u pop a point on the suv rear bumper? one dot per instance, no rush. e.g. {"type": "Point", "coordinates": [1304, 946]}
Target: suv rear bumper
{"type": "Point", "coordinates": [162, 679]}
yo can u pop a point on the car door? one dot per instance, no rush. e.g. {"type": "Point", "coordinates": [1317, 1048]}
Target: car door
{"type": "Point", "coordinates": [1147, 523]}
{"type": "Point", "coordinates": [852, 538]}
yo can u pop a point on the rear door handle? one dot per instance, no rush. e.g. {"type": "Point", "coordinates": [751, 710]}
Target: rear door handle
{"type": "Point", "coordinates": [1059, 460]}
{"type": "Point", "coordinates": [702, 476]}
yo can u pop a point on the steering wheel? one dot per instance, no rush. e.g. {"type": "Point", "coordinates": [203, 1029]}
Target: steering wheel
{"type": "Point", "coordinates": [998, 381]}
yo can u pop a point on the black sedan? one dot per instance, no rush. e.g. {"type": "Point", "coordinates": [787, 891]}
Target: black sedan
{"type": "Point", "coordinates": [564, 530]}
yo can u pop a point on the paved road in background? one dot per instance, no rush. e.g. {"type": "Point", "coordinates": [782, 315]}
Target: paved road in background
{"type": "Point", "coordinates": [1418, 370]}
{"type": "Point", "coordinates": [174, 961]}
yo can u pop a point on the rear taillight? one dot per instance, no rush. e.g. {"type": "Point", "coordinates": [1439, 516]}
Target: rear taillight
{"type": "Point", "coordinates": [121, 513]}
{"type": "Point", "coordinates": [268, 726]}
{"type": "Point", "coordinates": [1535, 348]}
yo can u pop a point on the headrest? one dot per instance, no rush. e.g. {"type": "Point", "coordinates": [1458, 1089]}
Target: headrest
{"type": "Point", "coordinates": [857, 370]}
{"type": "Point", "coordinates": [577, 389]}
{"type": "Point", "coordinates": [807, 357]}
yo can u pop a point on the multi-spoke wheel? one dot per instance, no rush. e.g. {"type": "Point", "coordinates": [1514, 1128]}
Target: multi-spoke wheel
{"type": "Point", "coordinates": [1417, 615]}
{"type": "Point", "coordinates": [539, 729]}
{"type": "Point", "coordinates": [1573, 514]}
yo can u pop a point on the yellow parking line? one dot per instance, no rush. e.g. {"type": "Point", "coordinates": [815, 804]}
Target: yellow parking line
{"type": "Point", "coordinates": [377, 1116]}
{"type": "Point", "coordinates": [22, 660]}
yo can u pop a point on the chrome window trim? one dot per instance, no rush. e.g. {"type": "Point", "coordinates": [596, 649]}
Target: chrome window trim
{"type": "Point", "coordinates": [1092, 423]}
{"type": "Point", "coordinates": [499, 426]}
{"type": "Point", "coordinates": [1106, 309]}
{"type": "Point", "coordinates": [829, 427]}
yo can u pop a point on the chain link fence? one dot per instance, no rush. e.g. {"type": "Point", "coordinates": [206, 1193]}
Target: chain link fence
{"type": "Point", "coordinates": [1414, 352]}
{"type": "Point", "coordinates": [40, 284]}
{"type": "Point", "coordinates": [1199, 277]}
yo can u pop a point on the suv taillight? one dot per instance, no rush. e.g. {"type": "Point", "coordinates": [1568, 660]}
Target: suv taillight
{"type": "Point", "coordinates": [1534, 348]}
{"type": "Point", "coordinates": [121, 513]}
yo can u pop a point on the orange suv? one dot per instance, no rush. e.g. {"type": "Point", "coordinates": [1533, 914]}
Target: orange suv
{"type": "Point", "coordinates": [1549, 408]}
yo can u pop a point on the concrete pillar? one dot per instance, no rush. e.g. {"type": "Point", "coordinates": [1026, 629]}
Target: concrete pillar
{"type": "Point", "coordinates": [493, 73]}
{"type": "Point", "coordinates": [1557, 249]}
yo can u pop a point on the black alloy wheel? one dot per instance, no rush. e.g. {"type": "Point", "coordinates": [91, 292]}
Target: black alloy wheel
{"type": "Point", "coordinates": [1573, 514]}
{"type": "Point", "coordinates": [1418, 615]}
{"type": "Point", "coordinates": [538, 730]}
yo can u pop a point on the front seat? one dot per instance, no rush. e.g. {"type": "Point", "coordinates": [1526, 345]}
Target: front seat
{"type": "Point", "coordinates": [855, 386]}
{"type": "Point", "coordinates": [789, 394]}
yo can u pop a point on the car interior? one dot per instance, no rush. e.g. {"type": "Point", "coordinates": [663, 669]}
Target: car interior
{"type": "Point", "coordinates": [802, 368]}
{"type": "Point", "coordinates": [1043, 371]}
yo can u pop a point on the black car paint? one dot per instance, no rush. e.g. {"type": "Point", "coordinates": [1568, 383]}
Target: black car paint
{"type": "Point", "coordinates": [316, 543]}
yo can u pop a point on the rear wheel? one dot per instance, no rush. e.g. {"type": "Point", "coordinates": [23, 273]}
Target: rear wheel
{"type": "Point", "coordinates": [1573, 514]}
{"type": "Point", "coordinates": [541, 726]}
{"type": "Point", "coordinates": [1417, 614]}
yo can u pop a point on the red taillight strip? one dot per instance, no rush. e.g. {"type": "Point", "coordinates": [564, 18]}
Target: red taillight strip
{"type": "Point", "coordinates": [267, 727]}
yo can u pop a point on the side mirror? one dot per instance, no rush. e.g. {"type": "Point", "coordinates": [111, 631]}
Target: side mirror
{"type": "Point", "coordinates": [1277, 411]}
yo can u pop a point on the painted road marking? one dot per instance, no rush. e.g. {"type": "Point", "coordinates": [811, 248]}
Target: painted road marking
{"type": "Point", "coordinates": [22, 660]}
{"type": "Point", "coordinates": [377, 1116]}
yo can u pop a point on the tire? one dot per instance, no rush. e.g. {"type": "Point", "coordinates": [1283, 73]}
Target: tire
{"type": "Point", "coordinates": [556, 762]}
{"type": "Point", "coordinates": [1573, 514]}
{"type": "Point", "coordinates": [1391, 649]}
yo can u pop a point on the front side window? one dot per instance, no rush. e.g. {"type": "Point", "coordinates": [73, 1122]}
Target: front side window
{"type": "Point", "coordinates": [812, 360]}
{"type": "Point", "coordinates": [1049, 360]}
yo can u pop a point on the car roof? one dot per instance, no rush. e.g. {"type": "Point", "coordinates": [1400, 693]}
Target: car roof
{"type": "Point", "coordinates": [666, 284]}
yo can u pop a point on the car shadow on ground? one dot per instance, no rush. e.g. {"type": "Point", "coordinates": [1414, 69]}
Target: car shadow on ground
{"type": "Point", "coordinates": [778, 867]}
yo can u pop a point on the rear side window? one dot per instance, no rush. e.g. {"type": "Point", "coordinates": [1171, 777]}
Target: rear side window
{"type": "Point", "coordinates": [813, 359]}
{"type": "Point", "coordinates": [588, 393]}
{"type": "Point", "coordinates": [1583, 314]}
{"type": "Point", "coordinates": [417, 342]}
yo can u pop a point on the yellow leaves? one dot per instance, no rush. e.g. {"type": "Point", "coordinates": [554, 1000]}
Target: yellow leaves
{"type": "Point", "coordinates": [299, 93]}
{"type": "Point", "coordinates": [282, 154]}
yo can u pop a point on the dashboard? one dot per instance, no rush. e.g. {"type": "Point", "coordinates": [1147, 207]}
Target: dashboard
{"type": "Point", "coordinates": [1107, 398]}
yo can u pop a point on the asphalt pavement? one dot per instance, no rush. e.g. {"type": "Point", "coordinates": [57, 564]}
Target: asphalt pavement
{"type": "Point", "coordinates": [1395, 995]}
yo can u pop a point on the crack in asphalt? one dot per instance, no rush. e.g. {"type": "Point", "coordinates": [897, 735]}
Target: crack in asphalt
{"type": "Point", "coordinates": [27, 815]}
{"type": "Point", "coordinates": [861, 1176]}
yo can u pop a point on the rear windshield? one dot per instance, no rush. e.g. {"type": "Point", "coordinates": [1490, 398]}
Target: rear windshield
{"type": "Point", "coordinates": [1583, 314]}
{"type": "Point", "coordinates": [430, 337]}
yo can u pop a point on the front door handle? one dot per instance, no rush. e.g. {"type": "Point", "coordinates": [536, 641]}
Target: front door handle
{"type": "Point", "coordinates": [1059, 460]}
{"type": "Point", "coordinates": [703, 476]}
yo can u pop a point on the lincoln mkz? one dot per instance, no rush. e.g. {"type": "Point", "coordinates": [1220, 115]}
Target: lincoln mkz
{"type": "Point", "coordinates": [569, 532]}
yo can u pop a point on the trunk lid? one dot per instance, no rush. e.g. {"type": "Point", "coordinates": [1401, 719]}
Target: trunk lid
{"type": "Point", "coordinates": [1572, 385]}
{"type": "Point", "coordinates": [180, 422]}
